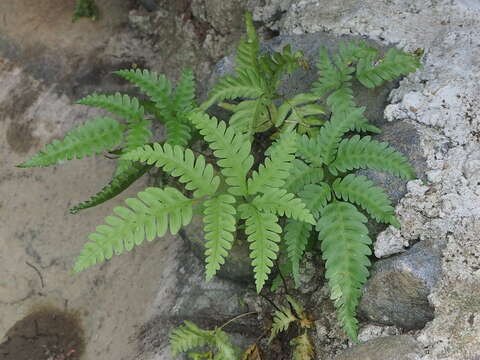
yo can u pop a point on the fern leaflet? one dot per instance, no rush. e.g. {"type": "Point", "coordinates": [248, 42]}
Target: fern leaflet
{"type": "Point", "coordinates": [262, 231]}
{"type": "Point", "coordinates": [277, 166]}
{"type": "Point", "coordinates": [394, 64]}
{"type": "Point", "coordinates": [307, 149]}
{"type": "Point", "coordinates": [219, 229]}
{"type": "Point", "coordinates": [155, 212]}
{"type": "Point", "coordinates": [93, 137]}
{"type": "Point", "coordinates": [281, 321]}
{"type": "Point", "coordinates": [118, 184]}
{"type": "Point", "coordinates": [279, 201]}
{"type": "Point", "coordinates": [247, 50]}
{"type": "Point", "coordinates": [249, 117]}
{"type": "Point", "coordinates": [362, 153]}
{"type": "Point", "coordinates": [345, 248]}
{"type": "Point", "coordinates": [361, 191]}
{"type": "Point", "coordinates": [302, 174]}
{"type": "Point", "coordinates": [296, 238]}
{"type": "Point", "coordinates": [119, 104]}
{"type": "Point", "coordinates": [303, 348]}
{"type": "Point", "coordinates": [189, 336]}
{"type": "Point", "coordinates": [179, 162]}
{"type": "Point", "coordinates": [231, 148]}
{"type": "Point", "coordinates": [316, 197]}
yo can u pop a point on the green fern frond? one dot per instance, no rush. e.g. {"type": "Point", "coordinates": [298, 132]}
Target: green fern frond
{"type": "Point", "coordinates": [155, 85]}
{"type": "Point", "coordinates": [224, 347]}
{"type": "Point", "coordinates": [93, 137]}
{"type": "Point", "coordinates": [316, 197]}
{"type": "Point", "coordinates": [219, 229]}
{"type": "Point", "coordinates": [282, 203]}
{"type": "Point", "coordinates": [303, 349]}
{"type": "Point", "coordinates": [247, 84]}
{"type": "Point", "coordinates": [363, 153]}
{"type": "Point", "coordinates": [247, 50]}
{"type": "Point", "coordinates": [122, 105]}
{"type": "Point", "coordinates": [184, 99]}
{"type": "Point", "coordinates": [281, 322]}
{"type": "Point", "coordinates": [302, 174]}
{"type": "Point", "coordinates": [308, 150]}
{"type": "Point", "coordinates": [276, 167]}
{"type": "Point", "coordinates": [275, 65]}
{"type": "Point", "coordinates": [288, 105]}
{"type": "Point", "coordinates": [157, 211]}
{"type": "Point", "coordinates": [249, 117]}
{"type": "Point", "coordinates": [262, 231]}
{"type": "Point", "coordinates": [117, 185]}
{"type": "Point", "coordinates": [394, 64]}
{"type": "Point", "coordinates": [231, 148]}
{"type": "Point", "coordinates": [331, 77]}
{"type": "Point", "coordinates": [189, 336]}
{"type": "Point", "coordinates": [179, 162]}
{"type": "Point", "coordinates": [345, 248]}
{"type": "Point", "coordinates": [342, 121]}
{"type": "Point", "coordinates": [296, 238]}
{"type": "Point", "coordinates": [361, 191]}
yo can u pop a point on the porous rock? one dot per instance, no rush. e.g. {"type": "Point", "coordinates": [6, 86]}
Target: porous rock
{"type": "Point", "coordinates": [399, 347]}
{"type": "Point", "coordinates": [398, 288]}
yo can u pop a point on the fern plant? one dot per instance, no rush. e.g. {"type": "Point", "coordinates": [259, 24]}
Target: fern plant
{"type": "Point", "coordinates": [324, 175]}
{"type": "Point", "coordinates": [188, 337]}
{"type": "Point", "coordinates": [106, 134]}
{"type": "Point", "coordinates": [226, 196]}
{"type": "Point", "coordinates": [306, 181]}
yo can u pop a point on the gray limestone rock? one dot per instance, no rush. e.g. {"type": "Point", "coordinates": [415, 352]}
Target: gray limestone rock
{"type": "Point", "coordinates": [399, 347]}
{"type": "Point", "coordinates": [397, 291]}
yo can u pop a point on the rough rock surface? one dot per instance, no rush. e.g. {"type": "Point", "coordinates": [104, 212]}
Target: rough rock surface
{"type": "Point", "coordinates": [398, 288]}
{"type": "Point", "coordinates": [400, 347]}
{"type": "Point", "coordinates": [442, 101]}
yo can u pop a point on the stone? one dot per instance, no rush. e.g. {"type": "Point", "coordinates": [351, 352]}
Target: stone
{"type": "Point", "coordinates": [399, 347]}
{"type": "Point", "coordinates": [398, 288]}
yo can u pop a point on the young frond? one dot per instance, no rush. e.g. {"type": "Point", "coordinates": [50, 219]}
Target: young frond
{"type": "Point", "coordinates": [302, 174]}
{"type": "Point", "coordinates": [249, 117]}
{"type": "Point", "coordinates": [179, 162]}
{"type": "Point", "coordinates": [316, 197]}
{"type": "Point", "coordinates": [122, 105]}
{"type": "Point", "coordinates": [247, 84]}
{"type": "Point", "coordinates": [395, 64]}
{"type": "Point", "coordinates": [93, 137]}
{"type": "Point", "coordinates": [224, 349]}
{"type": "Point", "coordinates": [303, 349]}
{"type": "Point", "coordinates": [219, 229]}
{"type": "Point", "coordinates": [361, 191]}
{"type": "Point", "coordinates": [152, 214]}
{"type": "Point", "coordinates": [276, 167]}
{"type": "Point", "coordinates": [262, 231]}
{"type": "Point", "coordinates": [184, 98]}
{"type": "Point", "coordinates": [189, 336]}
{"type": "Point", "coordinates": [296, 238]}
{"type": "Point", "coordinates": [342, 121]}
{"type": "Point", "coordinates": [247, 50]}
{"type": "Point", "coordinates": [308, 150]}
{"type": "Point", "coordinates": [231, 148]}
{"type": "Point", "coordinates": [118, 184]}
{"type": "Point", "coordinates": [286, 108]}
{"type": "Point", "coordinates": [275, 65]}
{"type": "Point", "coordinates": [282, 203]}
{"type": "Point", "coordinates": [155, 85]}
{"type": "Point", "coordinates": [363, 153]}
{"type": "Point", "coordinates": [345, 248]}
{"type": "Point", "coordinates": [281, 321]}
{"type": "Point", "coordinates": [329, 77]}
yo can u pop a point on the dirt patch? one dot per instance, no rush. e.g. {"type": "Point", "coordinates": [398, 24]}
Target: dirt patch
{"type": "Point", "coordinates": [45, 334]}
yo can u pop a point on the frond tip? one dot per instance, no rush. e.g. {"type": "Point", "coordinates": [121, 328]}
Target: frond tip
{"type": "Point", "coordinates": [345, 248]}
{"type": "Point", "coordinates": [93, 137]}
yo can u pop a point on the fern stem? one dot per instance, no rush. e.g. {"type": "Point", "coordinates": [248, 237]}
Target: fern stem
{"type": "Point", "coordinates": [238, 317]}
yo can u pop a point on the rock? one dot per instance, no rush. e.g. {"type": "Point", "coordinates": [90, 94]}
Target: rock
{"type": "Point", "coordinates": [397, 291]}
{"type": "Point", "coordinates": [399, 347]}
